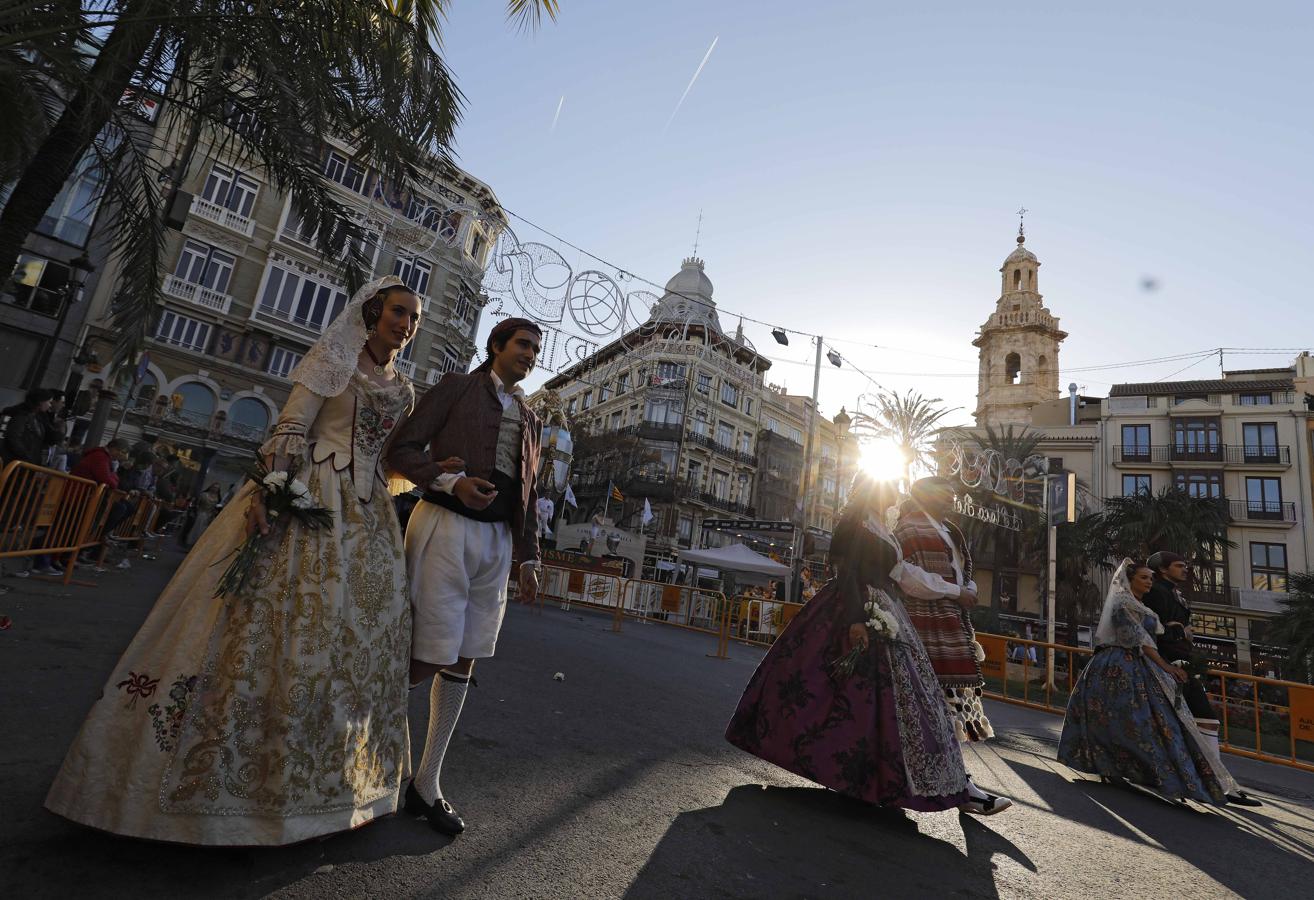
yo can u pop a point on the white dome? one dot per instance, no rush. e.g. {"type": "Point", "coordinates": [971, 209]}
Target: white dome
{"type": "Point", "coordinates": [688, 298]}
{"type": "Point", "coordinates": [691, 280]}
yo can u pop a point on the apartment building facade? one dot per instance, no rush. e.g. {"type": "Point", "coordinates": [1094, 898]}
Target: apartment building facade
{"type": "Point", "coordinates": [1243, 439]}
{"type": "Point", "coordinates": [246, 294]}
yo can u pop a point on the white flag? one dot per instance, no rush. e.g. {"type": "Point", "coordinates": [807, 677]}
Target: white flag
{"type": "Point", "coordinates": [570, 497]}
{"type": "Point", "coordinates": [647, 511]}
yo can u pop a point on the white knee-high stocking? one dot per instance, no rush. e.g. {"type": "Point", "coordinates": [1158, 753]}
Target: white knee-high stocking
{"type": "Point", "coordinates": [446, 697]}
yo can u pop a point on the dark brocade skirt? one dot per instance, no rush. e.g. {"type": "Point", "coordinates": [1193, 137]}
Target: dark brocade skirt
{"type": "Point", "coordinates": [881, 734]}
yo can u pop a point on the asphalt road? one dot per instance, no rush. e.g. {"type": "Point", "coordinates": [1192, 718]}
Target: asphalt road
{"type": "Point", "coordinates": [616, 783]}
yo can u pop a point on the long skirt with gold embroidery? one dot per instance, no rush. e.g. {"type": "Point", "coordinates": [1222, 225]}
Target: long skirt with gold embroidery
{"type": "Point", "coordinates": [269, 718]}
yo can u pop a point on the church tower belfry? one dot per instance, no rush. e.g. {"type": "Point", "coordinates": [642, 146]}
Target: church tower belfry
{"type": "Point", "coordinates": [1019, 346]}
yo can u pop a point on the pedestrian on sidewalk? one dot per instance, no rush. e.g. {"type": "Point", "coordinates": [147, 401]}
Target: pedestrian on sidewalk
{"type": "Point", "coordinates": [939, 609]}
{"type": "Point", "coordinates": [1128, 718]}
{"type": "Point", "coordinates": [1176, 644]}
{"type": "Point", "coordinates": [877, 730]}
{"type": "Point", "coordinates": [279, 714]}
{"type": "Point", "coordinates": [27, 434]}
{"type": "Point", "coordinates": [468, 533]}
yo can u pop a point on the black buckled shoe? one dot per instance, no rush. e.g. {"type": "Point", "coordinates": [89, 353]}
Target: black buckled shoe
{"type": "Point", "coordinates": [440, 815]}
{"type": "Point", "coordinates": [1241, 798]}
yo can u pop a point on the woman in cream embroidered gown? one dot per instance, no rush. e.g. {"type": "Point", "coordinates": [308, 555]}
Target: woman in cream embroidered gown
{"type": "Point", "coordinates": [278, 715]}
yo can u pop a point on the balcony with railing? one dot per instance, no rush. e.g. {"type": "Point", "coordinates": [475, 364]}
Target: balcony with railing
{"type": "Point", "coordinates": [222, 215]}
{"type": "Point", "coordinates": [719, 502]}
{"type": "Point", "coordinates": [702, 440]}
{"type": "Point", "coordinates": [1264, 601]}
{"type": "Point", "coordinates": [668, 385]}
{"type": "Point", "coordinates": [1258, 454]}
{"type": "Point", "coordinates": [1140, 454]}
{"type": "Point", "coordinates": [658, 431]}
{"type": "Point", "coordinates": [198, 294]}
{"type": "Point", "coordinates": [1194, 454]}
{"type": "Point", "coordinates": [405, 366]}
{"type": "Point", "coordinates": [1264, 398]}
{"type": "Point", "coordinates": [1271, 511]}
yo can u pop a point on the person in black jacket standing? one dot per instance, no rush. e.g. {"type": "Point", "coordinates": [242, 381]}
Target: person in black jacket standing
{"type": "Point", "coordinates": [1175, 643]}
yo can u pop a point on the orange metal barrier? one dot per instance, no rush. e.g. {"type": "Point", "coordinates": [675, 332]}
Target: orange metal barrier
{"type": "Point", "coordinates": [758, 621]}
{"type": "Point", "coordinates": [1258, 715]}
{"type": "Point", "coordinates": [45, 512]}
{"type": "Point", "coordinates": [691, 608]}
{"type": "Point", "coordinates": [568, 586]}
{"type": "Point", "coordinates": [134, 528]}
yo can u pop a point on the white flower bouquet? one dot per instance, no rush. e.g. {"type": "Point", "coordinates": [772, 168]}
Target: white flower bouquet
{"type": "Point", "coordinates": [285, 497]}
{"type": "Point", "coordinates": [881, 626]}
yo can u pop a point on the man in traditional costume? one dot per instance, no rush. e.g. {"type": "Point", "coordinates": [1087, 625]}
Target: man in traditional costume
{"type": "Point", "coordinates": [938, 610]}
{"type": "Point", "coordinates": [1175, 644]}
{"type": "Point", "coordinates": [467, 532]}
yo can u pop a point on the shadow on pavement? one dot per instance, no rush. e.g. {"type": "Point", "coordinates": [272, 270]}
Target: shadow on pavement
{"type": "Point", "coordinates": [766, 842]}
{"type": "Point", "coordinates": [1242, 849]}
{"type": "Point", "coordinates": [76, 861]}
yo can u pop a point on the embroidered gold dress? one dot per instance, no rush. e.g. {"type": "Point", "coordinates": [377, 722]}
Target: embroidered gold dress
{"type": "Point", "coordinates": [279, 715]}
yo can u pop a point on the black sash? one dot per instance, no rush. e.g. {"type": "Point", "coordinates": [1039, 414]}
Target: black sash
{"type": "Point", "coordinates": [502, 508]}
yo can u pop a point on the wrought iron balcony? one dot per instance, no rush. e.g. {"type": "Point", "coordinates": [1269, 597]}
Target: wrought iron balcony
{"type": "Point", "coordinates": [1231, 454]}
{"type": "Point", "coordinates": [1262, 511]}
{"type": "Point", "coordinates": [1141, 453]}
{"type": "Point", "coordinates": [1258, 454]}
{"type": "Point", "coordinates": [729, 505]}
{"type": "Point", "coordinates": [702, 440]}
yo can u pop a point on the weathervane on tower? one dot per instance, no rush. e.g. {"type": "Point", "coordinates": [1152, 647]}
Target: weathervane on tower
{"type": "Point", "coordinates": [698, 235]}
{"type": "Point", "coordinates": [1021, 225]}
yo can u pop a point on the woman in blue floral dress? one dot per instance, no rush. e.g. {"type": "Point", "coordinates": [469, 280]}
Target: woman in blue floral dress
{"type": "Point", "coordinates": [1127, 717]}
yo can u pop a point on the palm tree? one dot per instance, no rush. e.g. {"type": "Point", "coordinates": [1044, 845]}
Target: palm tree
{"type": "Point", "coordinates": [267, 80]}
{"type": "Point", "coordinates": [1144, 523]}
{"type": "Point", "coordinates": [909, 421]}
{"type": "Point", "coordinates": [1294, 626]}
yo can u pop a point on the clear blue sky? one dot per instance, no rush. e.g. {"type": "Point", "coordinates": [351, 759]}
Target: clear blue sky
{"type": "Point", "coordinates": [858, 165]}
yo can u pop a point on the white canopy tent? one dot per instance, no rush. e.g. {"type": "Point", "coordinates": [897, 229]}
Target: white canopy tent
{"type": "Point", "coordinates": [738, 559]}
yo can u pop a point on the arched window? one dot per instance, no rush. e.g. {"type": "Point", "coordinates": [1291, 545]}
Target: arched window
{"type": "Point", "coordinates": [1013, 368]}
{"type": "Point", "coordinates": [193, 402]}
{"type": "Point", "coordinates": [1017, 279]}
{"type": "Point", "coordinates": [1042, 367]}
{"type": "Point", "coordinates": [248, 418]}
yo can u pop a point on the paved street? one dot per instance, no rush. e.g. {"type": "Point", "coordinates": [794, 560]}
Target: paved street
{"type": "Point", "coordinates": [616, 783]}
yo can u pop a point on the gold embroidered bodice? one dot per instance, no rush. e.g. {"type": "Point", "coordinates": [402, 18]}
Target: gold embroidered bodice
{"type": "Point", "coordinates": [348, 431]}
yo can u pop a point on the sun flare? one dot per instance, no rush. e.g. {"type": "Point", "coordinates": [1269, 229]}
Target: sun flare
{"type": "Point", "coordinates": [883, 460]}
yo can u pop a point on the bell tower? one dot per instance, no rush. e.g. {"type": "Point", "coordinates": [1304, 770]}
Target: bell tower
{"type": "Point", "coordinates": [1019, 345]}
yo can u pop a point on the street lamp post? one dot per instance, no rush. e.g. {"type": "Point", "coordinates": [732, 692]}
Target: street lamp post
{"type": "Point", "coordinates": [79, 268]}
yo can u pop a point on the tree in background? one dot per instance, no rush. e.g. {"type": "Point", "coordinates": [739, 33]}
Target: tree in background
{"type": "Point", "coordinates": [1294, 626]}
{"type": "Point", "coordinates": [909, 421]}
{"type": "Point", "coordinates": [267, 81]}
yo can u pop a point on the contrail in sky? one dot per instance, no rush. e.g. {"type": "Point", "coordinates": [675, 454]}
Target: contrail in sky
{"type": "Point", "coordinates": [560, 103]}
{"type": "Point", "coordinates": [696, 73]}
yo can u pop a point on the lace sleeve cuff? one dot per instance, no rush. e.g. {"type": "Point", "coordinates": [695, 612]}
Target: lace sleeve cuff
{"type": "Point", "coordinates": [287, 439]}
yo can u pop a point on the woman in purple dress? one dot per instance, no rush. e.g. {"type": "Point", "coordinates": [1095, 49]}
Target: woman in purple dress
{"type": "Point", "coordinates": [880, 732]}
